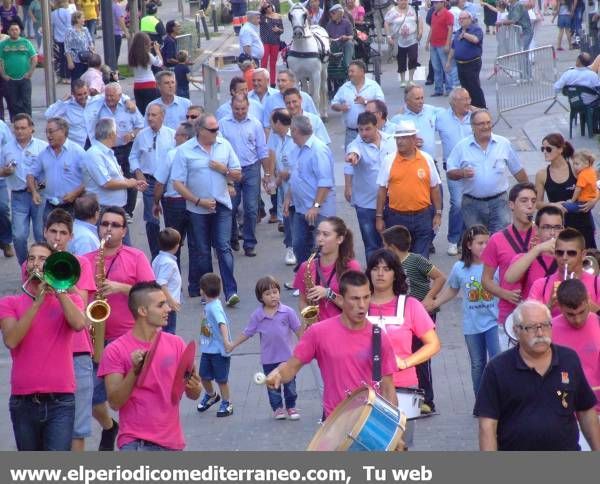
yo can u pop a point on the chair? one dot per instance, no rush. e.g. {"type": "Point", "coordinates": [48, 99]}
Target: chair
{"type": "Point", "coordinates": [588, 113]}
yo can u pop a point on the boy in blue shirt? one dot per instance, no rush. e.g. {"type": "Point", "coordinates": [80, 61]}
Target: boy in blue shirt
{"type": "Point", "coordinates": [215, 345]}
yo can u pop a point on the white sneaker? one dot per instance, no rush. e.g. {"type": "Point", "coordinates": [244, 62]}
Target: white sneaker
{"type": "Point", "coordinates": [290, 258]}
{"type": "Point", "coordinates": [452, 249]}
{"type": "Point", "coordinates": [296, 293]}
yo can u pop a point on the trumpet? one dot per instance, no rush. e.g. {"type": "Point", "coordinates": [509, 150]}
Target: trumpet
{"type": "Point", "coordinates": [61, 272]}
{"type": "Point", "coordinates": [310, 314]}
{"type": "Point", "coordinates": [98, 310]}
{"type": "Point", "coordinates": [590, 265]}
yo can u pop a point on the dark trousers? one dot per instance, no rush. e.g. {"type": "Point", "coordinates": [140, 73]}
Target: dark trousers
{"type": "Point", "coordinates": [78, 71]}
{"type": "Point", "coordinates": [468, 76]}
{"type": "Point", "coordinates": [18, 96]}
{"type": "Point", "coordinates": [418, 224]}
{"type": "Point", "coordinates": [122, 155]}
{"type": "Point", "coordinates": [143, 97]}
{"type": "Point", "coordinates": [60, 60]}
{"type": "Point", "coordinates": [429, 72]}
{"type": "Point", "coordinates": [118, 40]}
{"type": "Point", "coordinates": [177, 217]}
{"type": "Point", "coordinates": [424, 374]}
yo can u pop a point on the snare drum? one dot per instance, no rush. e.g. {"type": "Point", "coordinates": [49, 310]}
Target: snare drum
{"type": "Point", "coordinates": [363, 422]}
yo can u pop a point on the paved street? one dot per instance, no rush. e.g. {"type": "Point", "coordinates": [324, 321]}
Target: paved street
{"type": "Point", "coordinates": [252, 427]}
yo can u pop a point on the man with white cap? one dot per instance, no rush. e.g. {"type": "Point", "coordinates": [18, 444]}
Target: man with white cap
{"type": "Point", "coordinates": [250, 43]}
{"type": "Point", "coordinates": [410, 182]}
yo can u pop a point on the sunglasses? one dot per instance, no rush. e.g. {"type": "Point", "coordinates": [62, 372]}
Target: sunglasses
{"type": "Point", "coordinates": [570, 253]}
{"type": "Point", "coordinates": [192, 116]}
{"type": "Point", "coordinates": [212, 130]}
{"type": "Point", "coordinates": [547, 149]}
{"type": "Point", "coordinates": [114, 225]}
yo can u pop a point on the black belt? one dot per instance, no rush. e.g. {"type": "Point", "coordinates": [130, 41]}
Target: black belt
{"type": "Point", "coordinates": [20, 191]}
{"type": "Point", "coordinates": [411, 212]}
{"type": "Point", "coordinates": [148, 175]}
{"type": "Point", "coordinates": [41, 397]}
{"type": "Point", "coordinates": [467, 61]}
{"type": "Point", "coordinates": [81, 353]}
{"type": "Point", "coordinates": [483, 199]}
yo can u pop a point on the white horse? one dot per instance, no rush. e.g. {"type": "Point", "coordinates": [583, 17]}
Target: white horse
{"type": "Point", "coordinates": [308, 54]}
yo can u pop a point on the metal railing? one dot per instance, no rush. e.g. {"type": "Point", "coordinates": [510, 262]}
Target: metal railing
{"type": "Point", "coordinates": [509, 39]}
{"type": "Point", "coordinates": [525, 78]}
{"type": "Point", "coordinates": [185, 42]}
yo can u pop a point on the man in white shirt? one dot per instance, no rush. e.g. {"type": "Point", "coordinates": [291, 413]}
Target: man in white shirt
{"type": "Point", "coordinates": [580, 75]}
{"type": "Point", "coordinates": [85, 232]}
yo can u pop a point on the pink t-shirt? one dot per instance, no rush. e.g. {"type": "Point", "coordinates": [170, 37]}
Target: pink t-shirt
{"type": "Point", "coordinates": [148, 414]}
{"type": "Point", "coordinates": [543, 288]}
{"type": "Point", "coordinates": [128, 265]}
{"type": "Point", "coordinates": [535, 271]}
{"type": "Point", "coordinates": [416, 322]}
{"type": "Point", "coordinates": [93, 78]}
{"type": "Point", "coordinates": [498, 254]}
{"type": "Point", "coordinates": [585, 341]}
{"type": "Point", "coordinates": [327, 309]}
{"type": "Point", "coordinates": [43, 360]}
{"type": "Point", "coordinates": [345, 357]}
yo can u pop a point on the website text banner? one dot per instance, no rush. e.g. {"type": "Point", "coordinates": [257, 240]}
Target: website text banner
{"type": "Point", "coordinates": [298, 467]}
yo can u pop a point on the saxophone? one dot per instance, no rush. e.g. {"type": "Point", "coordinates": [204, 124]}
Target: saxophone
{"type": "Point", "coordinates": [310, 314]}
{"type": "Point", "coordinates": [98, 310]}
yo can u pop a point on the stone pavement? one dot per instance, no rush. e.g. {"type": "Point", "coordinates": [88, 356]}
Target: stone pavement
{"type": "Point", "coordinates": [252, 427]}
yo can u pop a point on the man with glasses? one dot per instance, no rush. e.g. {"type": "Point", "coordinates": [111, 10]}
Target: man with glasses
{"type": "Point", "coordinates": [532, 396]}
{"type": "Point", "coordinates": [238, 85]}
{"type": "Point", "coordinates": [539, 261]}
{"type": "Point", "coordinates": [569, 254]}
{"type": "Point", "coordinates": [175, 107]}
{"type": "Point", "coordinates": [481, 162]}
{"type": "Point", "coordinates": [193, 113]}
{"type": "Point", "coordinates": [202, 169]}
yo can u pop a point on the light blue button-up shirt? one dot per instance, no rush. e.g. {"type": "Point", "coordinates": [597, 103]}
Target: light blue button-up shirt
{"type": "Point", "coordinates": [61, 171]}
{"type": "Point", "coordinates": [99, 167]}
{"type": "Point", "coordinates": [579, 76]}
{"type": "Point", "coordinates": [348, 92]}
{"type": "Point", "coordinates": [270, 92]}
{"type": "Point", "coordinates": [175, 112]}
{"type": "Point", "coordinates": [247, 137]}
{"type": "Point", "coordinates": [276, 102]}
{"type": "Point", "coordinates": [282, 147]}
{"type": "Point", "coordinates": [425, 123]}
{"type": "Point", "coordinates": [364, 174]}
{"type": "Point", "coordinates": [190, 167]}
{"type": "Point", "coordinates": [255, 110]}
{"type": "Point", "coordinates": [85, 238]}
{"type": "Point", "coordinates": [24, 158]}
{"type": "Point", "coordinates": [163, 174]}
{"type": "Point", "coordinates": [319, 129]}
{"type": "Point", "coordinates": [72, 111]}
{"type": "Point", "coordinates": [249, 35]}
{"type": "Point", "coordinates": [389, 127]}
{"type": "Point", "coordinates": [150, 149]}
{"type": "Point", "coordinates": [313, 169]}
{"type": "Point", "coordinates": [490, 165]}
{"type": "Point", "coordinates": [5, 137]}
{"type": "Point", "coordinates": [452, 130]}
{"type": "Point", "coordinates": [126, 122]}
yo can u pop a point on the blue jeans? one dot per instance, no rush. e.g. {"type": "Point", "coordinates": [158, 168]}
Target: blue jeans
{"type": "Point", "coordinates": [5, 226]}
{"type": "Point", "coordinates": [494, 213]}
{"type": "Point", "coordinates": [152, 223]}
{"type": "Point", "coordinates": [303, 236]}
{"type": "Point", "coordinates": [177, 217]}
{"type": "Point", "coordinates": [84, 378]}
{"type": "Point", "coordinates": [212, 231]}
{"type": "Point", "coordinates": [455, 217]}
{"type": "Point", "coordinates": [143, 446]}
{"type": "Point", "coordinates": [24, 213]}
{"type": "Point", "coordinates": [370, 236]}
{"type": "Point", "coordinates": [438, 61]}
{"type": "Point", "coordinates": [91, 26]}
{"type": "Point", "coordinates": [287, 221]}
{"type": "Point", "coordinates": [289, 391]}
{"type": "Point", "coordinates": [480, 347]}
{"type": "Point", "coordinates": [44, 422]}
{"type": "Point", "coordinates": [27, 22]}
{"type": "Point", "coordinates": [419, 225]}
{"type": "Point", "coordinates": [249, 189]}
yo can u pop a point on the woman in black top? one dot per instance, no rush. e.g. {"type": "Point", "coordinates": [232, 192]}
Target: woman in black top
{"type": "Point", "coordinates": [271, 28]}
{"type": "Point", "coordinates": [557, 182]}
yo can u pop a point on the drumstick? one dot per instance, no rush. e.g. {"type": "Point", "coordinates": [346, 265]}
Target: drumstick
{"type": "Point", "coordinates": [259, 378]}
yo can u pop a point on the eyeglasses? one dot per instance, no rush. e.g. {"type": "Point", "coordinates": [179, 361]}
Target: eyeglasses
{"type": "Point", "coordinates": [113, 225]}
{"type": "Point", "coordinates": [551, 227]}
{"type": "Point", "coordinates": [570, 253]}
{"type": "Point", "coordinates": [547, 149]}
{"type": "Point", "coordinates": [534, 328]}
{"type": "Point", "coordinates": [212, 130]}
{"type": "Point", "coordinates": [192, 116]}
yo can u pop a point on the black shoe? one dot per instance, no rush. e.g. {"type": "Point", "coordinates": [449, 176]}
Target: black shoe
{"type": "Point", "coordinates": [428, 83]}
{"type": "Point", "coordinates": [107, 442]}
{"type": "Point", "coordinates": [281, 228]}
{"type": "Point", "coordinates": [431, 249]}
{"type": "Point", "coordinates": [250, 252]}
{"type": "Point", "coordinates": [289, 286]}
{"type": "Point", "coordinates": [261, 214]}
{"type": "Point", "coordinates": [235, 245]}
{"type": "Point", "coordinates": [193, 294]}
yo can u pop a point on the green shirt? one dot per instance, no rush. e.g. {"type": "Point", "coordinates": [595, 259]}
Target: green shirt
{"type": "Point", "coordinates": [15, 56]}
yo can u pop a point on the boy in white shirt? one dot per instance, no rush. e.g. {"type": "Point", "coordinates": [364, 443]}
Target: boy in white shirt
{"type": "Point", "coordinates": [167, 273]}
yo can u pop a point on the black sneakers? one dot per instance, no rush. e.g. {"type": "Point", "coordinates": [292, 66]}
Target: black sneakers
{"type": "Point", "coordinates": [107, 442]}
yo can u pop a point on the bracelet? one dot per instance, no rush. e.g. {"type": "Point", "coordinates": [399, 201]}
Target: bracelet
{"type": "Point", "coordinates": [438, 212]}
{"type": "Point", "coordinates": [378, 215]}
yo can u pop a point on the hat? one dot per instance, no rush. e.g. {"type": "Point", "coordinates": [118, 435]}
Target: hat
{"type": "Point", "coordinates": [337, 6]}
{"type": "Point", "coordinates": [405, 128]}
{"type": "Point", "coordinates": [250, 13]}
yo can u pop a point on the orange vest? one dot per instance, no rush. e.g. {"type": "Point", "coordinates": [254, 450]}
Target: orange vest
{"type": "Point", "coordinates": [409, 184]}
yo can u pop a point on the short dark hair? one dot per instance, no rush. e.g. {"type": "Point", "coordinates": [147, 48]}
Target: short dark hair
{"type": "Point", "coordinates": [358, 63]}
{"type": "Point", "coordinates": [366, 118]}
{"type": "Point", "coordinates": [78, 84]}
{"type": "Point", "coordinates": [570, 234]}
{"type": "Point", "coordinates": [548, 210]}
{"type": "Point", "coordinates": [391, 260]}
{"type": "Point", "coordinates": [138, 293]}
{"type": "Point", "coordinates": [264, 284]}
{"type": "Point", "coordinates": [381, 107]}
{"type": "Point", "coordinates": [170, 26]}
{"type": "Point", "coordinates": [352, 278]}
{"type": "Point", "coordinates": [291, 91]}
{"type": "Point", "coordinates": [210, 284]}
{"type": "Point", "coordinates": [468, 237]}
{"type": "Point", "coordinates": [86, 206]}
{"type": "Point", "coordinates": [516, 190]}
{"type": "Point", "coordinates": [44, 244]}
{"type": "Point", "coordinates": [280, 115]}
{"type": "Point", "coordinates": [59, 216]}
{"type": "Point", "coordinates": [397, 236]}
{"type": "Point", "coordinates": [169, 239]}
{"type": "Point", "coordinates": [234, 83]}
{"type": "Point", "coordinates": [23, 116]}
{"type": "Point", "coordinates": [571, 293]}
{"type": "Point", "coordinates": [240, 97]}
{"type": "Point", "coordinates": [95, 60]}
{"type": "Point", "coordinates": [116, 210]}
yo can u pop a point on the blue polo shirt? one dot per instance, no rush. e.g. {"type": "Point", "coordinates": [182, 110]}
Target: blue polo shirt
{"type": "Point", "coordinates": [247, 137]}
{"type": "Point", "coordinates": [452, 130]}
{"type": "Point", "coordinates": [465, 50]}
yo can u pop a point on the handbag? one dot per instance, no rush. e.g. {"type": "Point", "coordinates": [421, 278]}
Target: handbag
{"type": "Point", "coordinates": [85, 56]}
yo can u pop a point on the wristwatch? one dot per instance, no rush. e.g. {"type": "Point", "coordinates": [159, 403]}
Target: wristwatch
{"type": "Point", "coordinates": [316, 205]}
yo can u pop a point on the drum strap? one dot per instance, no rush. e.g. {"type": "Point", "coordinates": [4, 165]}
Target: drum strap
{"type": "Point", "coordinates": [376, 343]}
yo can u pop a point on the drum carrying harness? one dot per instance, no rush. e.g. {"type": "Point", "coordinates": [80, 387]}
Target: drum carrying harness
{"type": "Point", "coordinates": [376, 339]}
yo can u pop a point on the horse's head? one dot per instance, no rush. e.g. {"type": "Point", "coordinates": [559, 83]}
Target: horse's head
{"type": "Point", "coordinates": [298, 16]}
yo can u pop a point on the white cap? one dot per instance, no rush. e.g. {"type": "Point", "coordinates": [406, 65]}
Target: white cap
{"type": "Point", "coordinates": [337, 6]}
{"type": "Point", "coordinates": [405, 128]}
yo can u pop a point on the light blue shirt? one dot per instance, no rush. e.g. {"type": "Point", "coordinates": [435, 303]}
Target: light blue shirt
{"type": "Point", "coordinates": [5, 137]}
{"type": "Point", "coordinates": [313, 169]}
{"type": "Point", "coordinates": [126, 122]}
{"type": "Point", "coordinates": [167, 273]}
{"type": "Point", "coordinates": [250, 36]}
{"type": "Point", "coordinates": [61, 22]}
{"type": "Point", "coordinates": [214, 315]}
{"type": "Point", "coordinates": [319, 129]}
{"type": "Point", "coordinates": [175, 113]}
{"type": "Point", "coordinates": [255, 110]}
{"type": "Point", "coordinates": [276, 102]}
{"type": "Point", "coordinates": [425, 123]}
{"type": "Point", "coordinates": [348, 92]}
{"type": "Point", "coordinates": [451, 129]}
{"type": "Point", "coordinates": [364, 174]}
{"type": "Point", "coordinates": [72, 111]}
{"type": "Point", "coordinates": [389, 127]}
{"type": "Point", "coordinates": [150, 149]}
{"type": "Point", "coordinates": [85, 238]}
{"type": "Point", "coordinates": [24, 158]}
{"type": "Point", "coordinates": [490, 165]}
{"type": "Point", "coordinates": [579, 76]}
{"type": "Point", "coordinates": [99, 167]}
{"type": "Point", "coordinates": [61, 171]}
{"type": "Point", "coordinates": [282, 147]}
{"type": "Point", "coordinates": [247, 138]}
{"type": "Point", "coordinates": [270, 92]}
{"type": "Point", "coordinates": [163, 175]}
{"type": "Point", "coordinates": [190, 167]}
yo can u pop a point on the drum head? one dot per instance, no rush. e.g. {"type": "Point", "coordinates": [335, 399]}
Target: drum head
{"type": "Point", "coordinates": [148, 359]}
{"type": "Point", "coordinates": [183, 372]}
{"type": "Point", "coordinates": [346, 420]}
